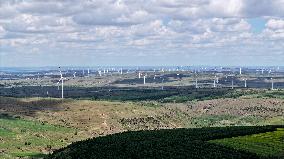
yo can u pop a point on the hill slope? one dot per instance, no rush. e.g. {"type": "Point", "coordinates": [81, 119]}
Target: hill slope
{"type": "Point", "coordinates": [175, 143]}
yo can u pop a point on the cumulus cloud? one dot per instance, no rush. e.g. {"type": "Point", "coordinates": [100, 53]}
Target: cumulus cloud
{"type": "Point", "coordinates": [275, 24]}
{"type": "Point", "coordinates": [168, 27]}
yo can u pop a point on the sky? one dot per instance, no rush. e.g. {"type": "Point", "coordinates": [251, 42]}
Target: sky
{"type": "Point", "coordinates": [37, 33]}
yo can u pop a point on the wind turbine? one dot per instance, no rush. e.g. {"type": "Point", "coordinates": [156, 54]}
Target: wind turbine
{"type": "Point", "coordinates": [245, 82]}
{"type": "Point", "coordinates": [74, 74]}
{"type": "Point", "coordinates": [196, 85]}
{"type": "Point", "coordinates": [163, 84]}
{"type": "Point", "coordinates": [272, 84]}
{"type": "Point", "coordinates": [100, 73]}
{"type": "Point", "coordinates": [58, 86]}
{"type": "Point", "coordinates": [62, 81]}
{"type": "Point", "coordinates": [214, 83]}
{"type": "Point", "coordinates": [240, 70]}
{"type": "Point", "coordinates": [139, 75]}
{"type": "Point", "coordinates": [144, 77]}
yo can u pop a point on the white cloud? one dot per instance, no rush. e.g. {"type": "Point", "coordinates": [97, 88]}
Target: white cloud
{"type": "Point", "coordinates": [275, 24]}
{"type": "Point", "coordinates": [2, 32]}
{"type": "Point", "coordinates": [168, 27]}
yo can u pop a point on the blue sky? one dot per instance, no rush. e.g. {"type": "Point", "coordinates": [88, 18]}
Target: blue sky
{"type": "Point", "coordinates": [257, 24]}
{"type": "Point", "coordinates": [139, 32]}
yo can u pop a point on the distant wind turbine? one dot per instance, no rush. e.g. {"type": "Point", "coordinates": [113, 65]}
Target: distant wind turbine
{"type": "Point", "coordinates": [100, 73]}
{"type": "Point", "coordinates": [62, 83]}
{"type": "Point", "coordinates": [74, 74]}
{"type": "Point", "coordinates": [57, 85]}
{"type": "Point", "coordinates": [272, 84]}
{"type": "Point", "coordinates": [245, 82]}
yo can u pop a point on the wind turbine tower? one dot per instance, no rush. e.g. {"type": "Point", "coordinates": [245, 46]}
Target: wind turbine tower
{"type": "Point", "coordinates": [74, 74]}
{"type": "Point", "coordinates": [272, 84]}
{"type": "Point", "coordinates": [196, 84]}
{"type": "Point", "coordinates": [58, 86]}
{"type": "Point", "coordinates": [144, 79]}
{"type": "Point", "coordinates": [163, 84]}
{"type": "Point", "coordinates": [62, 83]}
{"type": "Point", "coordinates": [240, 70]}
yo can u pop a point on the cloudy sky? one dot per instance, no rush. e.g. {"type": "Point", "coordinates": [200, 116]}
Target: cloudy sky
{"type": "Point", "coordinates": [141, 32]}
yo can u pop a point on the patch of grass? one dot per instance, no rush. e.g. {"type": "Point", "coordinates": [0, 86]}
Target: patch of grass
{"type": "Point", "coordinates": [28, 154]}
{"type": "Point", "coordinates": [278, 120]}
{"type": "Point", "coordinates": [149, 104]}
{"type": "Point", "coordinates": [20, 138]}
{"type": "Point", "coordinates": [269, 144]}
{"type": "Point", "coordinates": [225, 120]}
{"type": "Point", "coordinates": [279, 94]}
{"type": "Point", "coordinates": [210, 120]}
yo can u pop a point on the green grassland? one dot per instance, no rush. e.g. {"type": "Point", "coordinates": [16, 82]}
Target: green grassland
{"type": "Point", "coordinates": [269, 144]}
{"type": "Point", "coordinates": [174, 143]}
{"type": "Point", "coordinates": [20, 137]}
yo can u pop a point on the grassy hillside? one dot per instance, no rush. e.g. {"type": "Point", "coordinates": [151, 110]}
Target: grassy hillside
{"type": "Point", "coordinates": [176, 143]}
{"type": "Point", "coordinates": [264, 144]}
{"type": "Point", "coordinates": [82, 119]}
{"type": "Point", "coordinates": [20, 137]}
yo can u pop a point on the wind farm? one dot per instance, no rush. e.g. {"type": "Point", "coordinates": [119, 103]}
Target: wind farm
{"type": "Point", "coordinates": [100, 79]}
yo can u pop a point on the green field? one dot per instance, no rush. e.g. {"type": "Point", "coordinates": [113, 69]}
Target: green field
{"type": "Point", "coordinates": [269, 144]}
{"type": "Point", "coordinates": [174, 143]}
{"type": "Point", "coordinates": [20, 137]}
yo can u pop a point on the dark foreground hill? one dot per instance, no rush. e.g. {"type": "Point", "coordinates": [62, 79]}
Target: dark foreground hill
{"type": "Point", "coordinates": [175, 143]}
